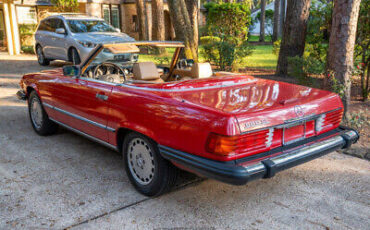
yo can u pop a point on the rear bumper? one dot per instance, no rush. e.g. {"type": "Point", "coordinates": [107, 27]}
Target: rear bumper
{"type": "Point", "coordinates": [242, 171]}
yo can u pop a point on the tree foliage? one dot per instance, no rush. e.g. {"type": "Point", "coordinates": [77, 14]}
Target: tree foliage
{"type": "Point", "coordinates": [65, 5]}
{"type": "Point", "coordinates": [228, 23]}
{"type": "Point", "coordinates": [228, 20]}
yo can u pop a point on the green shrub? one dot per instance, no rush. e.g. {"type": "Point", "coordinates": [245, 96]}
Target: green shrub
{"type": "Point", "coordinates": [228, 25]}
{"type": "Point", "coordinates": [26, 32]}
{"type": "Point", "coordinates": [231, 54]}
{"type": "Point", "coordinates": [276, 47]}
{"type": "Point", "coordinates": [28, 49]}
{"type": "Point", "coordinates": [27, 29]}
{"type": "Point", "coordinates": [209, 39]}
{"type": "Point", "coordinates": [203, 31]}
{"type": "Point", "coordinates": [231, 20]}
{"type": "Point", "coordinates": [301, 67]}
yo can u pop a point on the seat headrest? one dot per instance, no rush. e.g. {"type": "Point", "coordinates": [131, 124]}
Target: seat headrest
{"type": "Point", "coordinates": [145, 71]}
{"type": "Point", "coordinates": [201, 70]}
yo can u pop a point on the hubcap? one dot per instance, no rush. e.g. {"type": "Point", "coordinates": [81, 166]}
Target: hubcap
{"type": "Point", "coordinates": [141, 161]}
{"type": "Point", "coordinates": [36, 113]}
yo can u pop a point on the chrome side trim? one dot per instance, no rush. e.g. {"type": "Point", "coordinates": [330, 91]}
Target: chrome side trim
{"type": "Point", "coordinates": [85, 135]}
{"type": "Point", "coordinates": [79, 117]}
{"type": "Point", "coordinates": [98, 81]}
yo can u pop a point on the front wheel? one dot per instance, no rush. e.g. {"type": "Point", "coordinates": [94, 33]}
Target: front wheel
{"type": "Point", "coordinates": [147, 170]}
{"type": "Point", "coordinates": [39, 119]}
{"type": "Point", "coordinates": [41, 57]}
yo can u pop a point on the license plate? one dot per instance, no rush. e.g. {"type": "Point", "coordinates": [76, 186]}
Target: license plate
{"type": "Point", "coordinates": [294, 133]}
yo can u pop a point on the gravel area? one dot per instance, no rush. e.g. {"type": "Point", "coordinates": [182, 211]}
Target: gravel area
{"type": "Point", "coordinates": [67, 181]}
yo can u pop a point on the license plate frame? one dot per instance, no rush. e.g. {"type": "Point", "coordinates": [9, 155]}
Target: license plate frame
{"type": "Point", "coordinates": [296, 139]}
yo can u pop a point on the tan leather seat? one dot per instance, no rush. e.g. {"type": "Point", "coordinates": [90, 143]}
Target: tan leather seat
{"type": "Point", "coordinates": [146, 71]}
{"type": "Point", "coordinates": [198, 70]}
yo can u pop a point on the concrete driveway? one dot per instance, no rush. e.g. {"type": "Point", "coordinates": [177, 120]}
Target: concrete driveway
{"type": "Point", "coordinates": [66, 181]}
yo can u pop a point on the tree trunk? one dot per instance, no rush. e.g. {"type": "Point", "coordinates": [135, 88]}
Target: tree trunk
{"type": "Point", "coordinates": [158, 30]}
{"type": "Point", "coordinates": [275, 32]}
{"type": "Point", "coordinates": [341, 44]}
{"type": "Point", "coordinates": [183, 28]}
{"type": "Point", "coordinates": [192, 6]}
{"type": "Point", "coordinates": [262, 21]}
{"type": "Point", "coordinates": [140, 10]}
{"type": "Point", "coordinates": [282, 17]}
{"type": "Point", "coordinates": [294, 35]}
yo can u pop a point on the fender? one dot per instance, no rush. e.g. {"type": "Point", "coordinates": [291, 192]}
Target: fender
{"type": "Point", "coordinates": [134, 127]}
{"type": "Point", "coordinates": [34, 87]}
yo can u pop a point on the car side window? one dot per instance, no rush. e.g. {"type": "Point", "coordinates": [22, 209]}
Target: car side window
{"type": "Point", "coordinates": [59, 24]}
{"type": "Point", "coordinates": [53, 24]}
{"type": "Point", "coordinates": [44, 25]}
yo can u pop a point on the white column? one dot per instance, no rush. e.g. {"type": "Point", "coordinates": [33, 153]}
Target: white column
{"type": "Point", "coordinates": [15, 30]}
{"type": "Point", "coordinates": [8, 29]}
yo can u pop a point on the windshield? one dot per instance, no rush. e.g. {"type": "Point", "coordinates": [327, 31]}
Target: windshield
{"type": "Point", "coordinates": [130, 62]}
{"type": "Point", "coordinates": [85, 26]}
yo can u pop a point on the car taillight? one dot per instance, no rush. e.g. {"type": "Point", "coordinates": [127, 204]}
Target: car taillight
{"type": "Point", "coordinates": [328, 121]}
{"type": "Point", "coordinates": [234, 145]}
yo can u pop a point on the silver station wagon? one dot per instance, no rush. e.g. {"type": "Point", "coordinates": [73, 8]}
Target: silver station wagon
{"type": "Point", "coordinates": [71, 37]}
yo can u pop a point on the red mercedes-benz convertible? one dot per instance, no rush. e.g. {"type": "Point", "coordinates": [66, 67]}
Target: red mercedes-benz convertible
{"type": "Point", "coordinates": [161, 111]}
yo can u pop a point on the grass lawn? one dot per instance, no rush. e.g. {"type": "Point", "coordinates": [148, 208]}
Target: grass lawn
{"type": "Point", "coordinates": [255, 38]}
{"type": "Point", "coordinates": [262, 57]}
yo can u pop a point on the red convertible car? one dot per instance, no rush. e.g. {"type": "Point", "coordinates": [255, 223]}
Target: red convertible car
{"type": "Point", "coordinates": [162, 112]}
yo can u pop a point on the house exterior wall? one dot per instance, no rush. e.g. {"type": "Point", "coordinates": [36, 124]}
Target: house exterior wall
{"type": "Point", "coordinates": [94, 9]}
{"type": "Point", "coordinates": [128, 15]}
{"type": "Point", "coordinates": [11, 27]}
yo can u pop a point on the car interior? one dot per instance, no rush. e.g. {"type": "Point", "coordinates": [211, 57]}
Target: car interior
{"type": "Point", "coordinates": [144, 65]}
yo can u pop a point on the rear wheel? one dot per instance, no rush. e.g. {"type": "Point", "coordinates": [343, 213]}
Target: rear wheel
{"type": "Point", "coordinates": [75, 57]}
{"type": "Point", "coordinates": [41, 57]}
{"type": "Point", "coordinates": [39, 119]}
{"type": "Point", "coordinates": [147, 170]}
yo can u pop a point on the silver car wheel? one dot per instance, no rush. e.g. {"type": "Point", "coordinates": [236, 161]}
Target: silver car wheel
{"type": "Point", "coordinates": [141, 161]}
{"type": "Point", "coordinates": [36, 113]}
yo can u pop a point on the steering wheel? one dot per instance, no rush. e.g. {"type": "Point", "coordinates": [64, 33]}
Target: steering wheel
{"type": "Point", "coordinates": [107, 68]}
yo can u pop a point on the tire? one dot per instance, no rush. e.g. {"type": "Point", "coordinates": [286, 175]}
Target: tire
{"type": "Point", "coordinates": [41, 57]}
{"type": "Point", "coordinates": [38, 117]}
{"type": "Point", "coordinates": [147, 170]}
{"type": "Point", "coordinates": [75, 57]}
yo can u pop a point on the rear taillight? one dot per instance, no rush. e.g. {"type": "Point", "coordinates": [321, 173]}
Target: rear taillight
{"type": "Point", "coordinates": [328, 121]}
{"type": "Point", "coordinates": [252, 143]}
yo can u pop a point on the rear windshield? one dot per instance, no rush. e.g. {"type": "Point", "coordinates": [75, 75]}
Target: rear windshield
{"type": "Point", "coordinates": [85, 26]}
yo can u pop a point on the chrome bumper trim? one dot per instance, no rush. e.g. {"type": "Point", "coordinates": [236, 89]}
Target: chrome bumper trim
{"type": "Point", "coordinates": [269, 167]}
{"type": "Point", "coordinates": [323, 145]}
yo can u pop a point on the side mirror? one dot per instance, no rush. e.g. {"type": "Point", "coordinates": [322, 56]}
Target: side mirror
{"type": "Point", "coordinates": [60, 31]}
{"type": "Point", "coordinates": [118, 30]}
{"type": "Point", "coordinates": [71, 71]}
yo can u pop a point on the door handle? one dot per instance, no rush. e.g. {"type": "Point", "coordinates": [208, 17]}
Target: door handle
{"type": "Point", "coordinates": [101, 97]}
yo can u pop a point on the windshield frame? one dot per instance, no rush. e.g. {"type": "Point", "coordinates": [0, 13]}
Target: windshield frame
{"type": "Point", "coordinates": [165, 44]}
